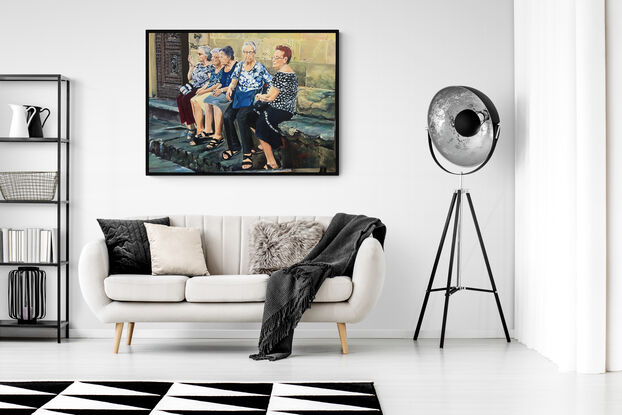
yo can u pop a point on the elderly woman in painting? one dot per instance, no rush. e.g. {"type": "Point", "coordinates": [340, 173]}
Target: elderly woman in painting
{"type": "Point", "coordinates": [198, 75]}
{"type": "Point", "coordinates": [281, 104]}
{"type": "Point", "coordinates": [249, 77]}
{"type": "Point", "coordinates": [216, 103]}
{"type": "Point", "coordinates": [197, 101]}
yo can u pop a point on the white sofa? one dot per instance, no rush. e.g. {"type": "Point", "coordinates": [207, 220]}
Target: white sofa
{"type": "Point", "coordinates": [229, 294]}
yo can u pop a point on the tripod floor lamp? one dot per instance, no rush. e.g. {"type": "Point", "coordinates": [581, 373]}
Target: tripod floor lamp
{"type": "Point", "coordinates": [463, 125]}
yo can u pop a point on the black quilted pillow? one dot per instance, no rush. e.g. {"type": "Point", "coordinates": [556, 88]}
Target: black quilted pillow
{"type": "Point", "coordinates": [128, 246]}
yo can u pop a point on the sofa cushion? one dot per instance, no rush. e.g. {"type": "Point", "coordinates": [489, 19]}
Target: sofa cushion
{"type": "Point", "coordinates": [334, 290]}
{"type": "Point", "coordinates": [252, 288]}
{"type": "Point", "coordinates": [227, 288]}
{"type": "Point", "coordinates": [175, 250]}
{"type": "Point", "coordinates": [128, 246]}
{"type": "Point", "coordinates": [133, 287]}
{"type": "Point", "coordinates": [278, 245]}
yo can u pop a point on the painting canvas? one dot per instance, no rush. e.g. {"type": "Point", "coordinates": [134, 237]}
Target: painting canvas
{"type": "Point", "coordinates": [242, 102]}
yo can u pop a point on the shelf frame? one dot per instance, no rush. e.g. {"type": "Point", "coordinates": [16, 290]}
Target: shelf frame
{"type": "Point", "coordinates": [32, 140]}
{"type": "Point", "coordinates": [34, 264]}
{"type": "Point", "coordinates": [33, 77]}
{"type": "Point", "coordinates": [40, 324]}
{"type": "Point", "coordinates": [61, 140]}
{"type": "Point", "coordinates": [36, 202]}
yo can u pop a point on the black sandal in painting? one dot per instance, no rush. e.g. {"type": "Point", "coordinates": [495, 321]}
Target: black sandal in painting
{"type": "Point", "coordinates": [227, 154]}
{"type": "Point", "coordinates": [247, 161]}
{"type": "Point", "coordinates": [269, 167]}
{"type": "Point", "coordinates": [213, 143]}
{"type": "Point", "coordinates": [203, 135]}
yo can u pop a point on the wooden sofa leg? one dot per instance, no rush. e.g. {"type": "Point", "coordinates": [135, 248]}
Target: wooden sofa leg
{"type": "Point", "coordinates": [118, 331]}
{"type": "Point", "coordinates": [130, 332]}
{"type": "Point", "coordinates": [343, 337]}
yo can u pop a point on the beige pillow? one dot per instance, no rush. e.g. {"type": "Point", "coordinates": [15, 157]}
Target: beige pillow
{"type": "Point", "coordinates": [175, 250]}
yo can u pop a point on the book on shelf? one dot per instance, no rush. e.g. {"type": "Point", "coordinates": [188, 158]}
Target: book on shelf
{"type": "Point", "coordinates": [29, 245]}
{"type": "Point", "coordinates": [3, 244]}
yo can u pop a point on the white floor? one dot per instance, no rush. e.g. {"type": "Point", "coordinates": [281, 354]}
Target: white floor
{"type": "Point", "coordinates": [467, 377]}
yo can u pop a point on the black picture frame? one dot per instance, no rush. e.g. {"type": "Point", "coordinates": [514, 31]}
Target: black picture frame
{"type": "Point", "coordinates": [242, 172]}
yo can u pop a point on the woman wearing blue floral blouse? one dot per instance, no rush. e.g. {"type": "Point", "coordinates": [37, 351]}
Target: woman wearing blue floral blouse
{"type": "Point", "coordinates": [217, 103]}
{"type": "Point", "coordinates": [249, 77]}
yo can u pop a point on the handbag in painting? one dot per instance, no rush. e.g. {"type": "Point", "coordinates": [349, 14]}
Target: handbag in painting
{"type": "Point", "coordinates": [260, 106]}
{"type": "Point", "coordinates": [185, 89]}
{"type": "Point", "coordinates": [243, 99]}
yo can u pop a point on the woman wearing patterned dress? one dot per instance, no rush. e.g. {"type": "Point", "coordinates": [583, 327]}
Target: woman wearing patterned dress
{"type": "Point", "coordinates": [199, 97]}
{"type": "Point", "coordinates": [249, 77]}
{"type": "Point", "coordinates": [281, 99]}
{"type": "Point", "coordinates": [217, 103]}
{"type": "Point", "coordinates": [198, 75]}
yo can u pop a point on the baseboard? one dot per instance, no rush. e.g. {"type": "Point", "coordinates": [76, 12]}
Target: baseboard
{"type": "Point", "coordinates": [301, 333]}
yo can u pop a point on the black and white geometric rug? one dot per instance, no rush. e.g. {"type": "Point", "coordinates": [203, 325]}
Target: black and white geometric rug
{"type": "Point", "coordinates": [187, 398]}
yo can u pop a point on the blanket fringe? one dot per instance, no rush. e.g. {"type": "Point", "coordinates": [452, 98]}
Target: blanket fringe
{"type": "Point", "coordinates": [284, 321]}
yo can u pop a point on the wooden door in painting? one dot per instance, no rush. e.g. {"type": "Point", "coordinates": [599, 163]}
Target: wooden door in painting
{"type": "Point", "coordinates": [172, 63]}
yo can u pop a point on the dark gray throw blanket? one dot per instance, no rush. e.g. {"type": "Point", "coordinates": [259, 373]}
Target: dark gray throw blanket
{"type": "Point", "coordinates": [291, 290]}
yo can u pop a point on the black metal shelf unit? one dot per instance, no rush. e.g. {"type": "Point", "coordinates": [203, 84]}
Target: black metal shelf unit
{"type": "Point", "coordinates": [61, 202]}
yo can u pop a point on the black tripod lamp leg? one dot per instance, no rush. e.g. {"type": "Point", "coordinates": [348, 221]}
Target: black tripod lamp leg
{"type": "Point", "coordinates": [438, 256]}
{"type": "Point", "coordinates": [492, 280]}
{"type": "Point", "coordinates": [451, 266]}
{"type": "Point", "coordinates": [505, 327]}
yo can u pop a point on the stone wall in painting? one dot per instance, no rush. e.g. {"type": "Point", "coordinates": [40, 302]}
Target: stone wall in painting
{"type": "Point", "coordinates": [313, 60]}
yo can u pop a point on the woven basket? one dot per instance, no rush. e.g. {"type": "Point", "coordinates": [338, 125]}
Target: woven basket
{"type": "Point", "coordinates": [28, 185]}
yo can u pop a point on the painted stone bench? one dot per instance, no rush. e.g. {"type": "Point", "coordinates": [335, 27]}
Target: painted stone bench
{"type": "Point", "coordinates": [309, 137]}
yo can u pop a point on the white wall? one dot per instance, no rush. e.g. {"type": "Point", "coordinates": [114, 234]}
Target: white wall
{"type": "Point", "coordinates": [394, 55]}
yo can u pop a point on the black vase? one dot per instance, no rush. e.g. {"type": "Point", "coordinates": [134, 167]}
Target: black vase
{"type": "Point", "coordinates": [27, 294]}
{"type": "Point", "coordinates": [35, 128]}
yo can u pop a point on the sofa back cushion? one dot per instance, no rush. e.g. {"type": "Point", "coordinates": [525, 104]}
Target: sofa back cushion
{"type": "Point", "coordinates": [226, 239]}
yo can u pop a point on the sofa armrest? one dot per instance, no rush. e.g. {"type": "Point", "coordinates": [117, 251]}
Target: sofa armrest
{"type": "Point", "coordinates": [367, 278]}
{"type": "Point", "coordinates": [92, 270]}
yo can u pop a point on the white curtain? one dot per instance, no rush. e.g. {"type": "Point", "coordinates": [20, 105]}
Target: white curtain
{"type": "Point", "coordinates": [614, 184]}
{"type": "Point", "coordinates": [561, 179]}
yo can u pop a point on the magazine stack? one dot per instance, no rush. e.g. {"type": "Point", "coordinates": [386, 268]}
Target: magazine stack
{"type": "Point", "coordinates": [29, 245]}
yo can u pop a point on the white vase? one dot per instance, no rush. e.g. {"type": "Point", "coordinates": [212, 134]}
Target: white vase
{"type": "Point", "coordinates": [21, 119]}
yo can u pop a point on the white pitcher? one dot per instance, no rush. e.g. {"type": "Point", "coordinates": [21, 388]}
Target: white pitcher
{"type": "Point", "coordinates": [22, 117]}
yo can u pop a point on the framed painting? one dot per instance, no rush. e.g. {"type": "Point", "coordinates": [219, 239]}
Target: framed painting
{"type": "Point", "coordinates": [258, 102]}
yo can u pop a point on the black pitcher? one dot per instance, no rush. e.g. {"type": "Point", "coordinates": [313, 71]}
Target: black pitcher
{"type": "Point", "coordinates": [35, 128]}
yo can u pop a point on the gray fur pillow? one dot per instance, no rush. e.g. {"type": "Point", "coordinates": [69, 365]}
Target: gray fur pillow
{"type": "Point", "coordinates": [278, 245]}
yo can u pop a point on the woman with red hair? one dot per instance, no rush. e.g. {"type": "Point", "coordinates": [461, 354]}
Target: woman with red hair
{"type": "Point", "coordinates": [281, 104]}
